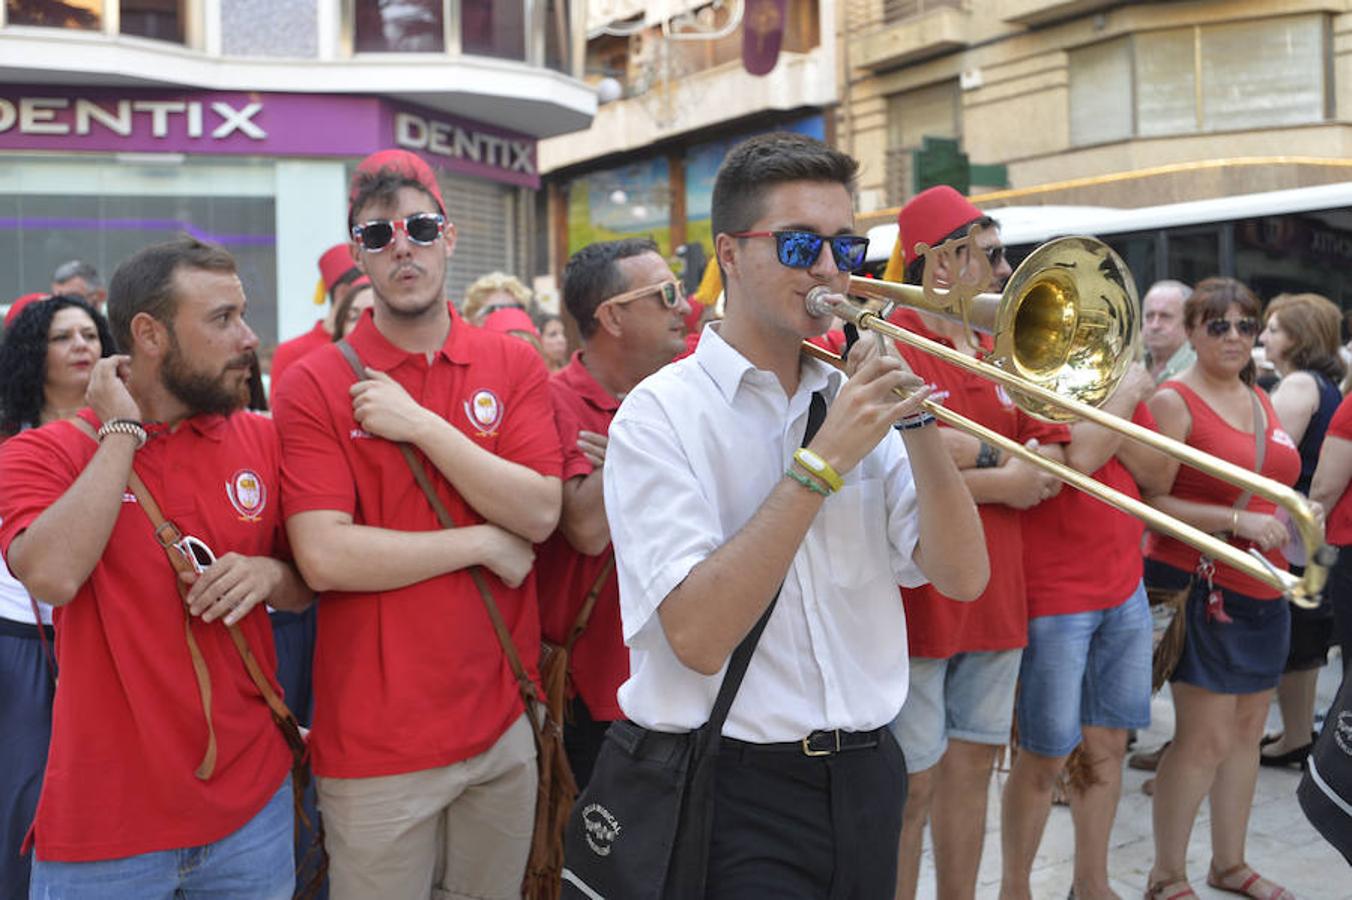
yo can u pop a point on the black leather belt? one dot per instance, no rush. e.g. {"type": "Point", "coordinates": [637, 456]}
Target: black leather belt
{"type": "Point", "coordinates": [819, 743]}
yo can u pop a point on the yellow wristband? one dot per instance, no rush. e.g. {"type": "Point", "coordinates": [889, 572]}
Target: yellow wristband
{"type": "Point", "coordinates": [819, 467]}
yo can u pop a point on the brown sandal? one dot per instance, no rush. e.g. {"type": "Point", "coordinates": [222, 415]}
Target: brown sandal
{"type": "Point", "coordinates": [1172, 890]}
{"type": "Point", "coordinates": [1243, 880]}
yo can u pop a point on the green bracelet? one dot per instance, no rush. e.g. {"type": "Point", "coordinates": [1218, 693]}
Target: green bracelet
{"type": "Point", "coordinates": [808, 482]}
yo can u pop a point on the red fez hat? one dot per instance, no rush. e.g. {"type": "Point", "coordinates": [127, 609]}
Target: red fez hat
{"type": "Point", "coordinates": [509, 319]}
{"type": "Point", "coordinates": [399, 162]}
{"type": "Point", "coordinates": [18, 305]}
{"type": "Point", "coordinates": [336, 262]}
{"type": "Point", "coordinates": [932, 215]}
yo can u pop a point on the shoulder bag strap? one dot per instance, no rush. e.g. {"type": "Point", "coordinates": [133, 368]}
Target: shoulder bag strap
{"type": "Point", "coordinates": [584, 614]}
{"type": "Point", "coordinates": [524, 683]}
{"type": "Point", "coordinates": [1260, 445]}
{"type": "Point", "coordinates": [168, 536]}
{"type": "Point", "coordinates": [741, 657]}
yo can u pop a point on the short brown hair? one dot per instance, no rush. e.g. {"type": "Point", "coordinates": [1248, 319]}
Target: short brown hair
{"type": "Point", "coordinates": [1313, 322]}
{"type": "Point", "coordinates": [145, 282]}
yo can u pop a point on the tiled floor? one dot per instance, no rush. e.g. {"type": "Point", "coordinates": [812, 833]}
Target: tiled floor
{"type": "Point", "coordinates": [1282, 844]}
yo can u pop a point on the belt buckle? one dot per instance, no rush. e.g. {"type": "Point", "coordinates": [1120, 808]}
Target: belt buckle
{"type": "Point", "coordinates": [809, 751]}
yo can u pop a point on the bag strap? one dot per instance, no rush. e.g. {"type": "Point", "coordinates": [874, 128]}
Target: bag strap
{"type": "Point", "coordinates": [524, 683]}
{"type": "Point", "coordinates": [584, 614]}
{"type": "Point", "coordinates": [741, 657]}
{"type": "Point", "coordinates": [168, 536]}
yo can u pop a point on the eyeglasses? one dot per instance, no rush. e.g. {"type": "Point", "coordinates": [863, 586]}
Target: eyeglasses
{"type": "Point", "coordinates": [196, 552]}
{"type": "Point", "coordinates": [801, 249]}
{"type": "Point", "coordinates": [422, 229]}
{"type": "Point", "coordinates": [671, 294]}
{"type": "Point", "coordinates": [995, 254]}
{"type": "Point", "coordinates": [1245, 327]}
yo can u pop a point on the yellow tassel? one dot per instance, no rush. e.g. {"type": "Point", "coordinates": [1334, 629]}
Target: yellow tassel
{"type": "Point", "coordinates": [710, 284]}
{"type": "Point", "coordinates": [321, 295]}
{"type": "Point", "coordinates": [896, 263]}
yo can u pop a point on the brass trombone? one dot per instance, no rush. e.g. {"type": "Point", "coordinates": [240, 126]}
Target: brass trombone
{"type": "Point", "coordinates": [1065, 331]}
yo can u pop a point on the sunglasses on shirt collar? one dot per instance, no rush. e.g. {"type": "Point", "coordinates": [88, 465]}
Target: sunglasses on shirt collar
{"type": "Point", "coordinates": [422, 229]}
{"type": "Point", "coordinates": [800, 249]}
{"type": "Point", "coordinates": [1245, 327]}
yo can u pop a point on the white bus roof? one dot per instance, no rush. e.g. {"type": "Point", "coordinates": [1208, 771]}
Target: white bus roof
{"type": "Point", "coordinates": [1036, 224]}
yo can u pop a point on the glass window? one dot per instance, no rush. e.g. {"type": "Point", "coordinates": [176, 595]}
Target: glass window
{"type": "Point", "coordinates": [158, 19]}
{"type": "Point", "coordinates": [1166, 83]}
{"type": "Point", "coordinates": [558, 40]}
{"type": "Point", "coordinates": [399, 26]}
{"type": "Point", "coordinates": [493, 28]}
{"type": "Point", "coordinates": [1194, 255]}
{"type": "Point", "coordinates": [85, 15]}
{"type": "Point", "coordinates": [1100, 92]}
{"type": "Point", "coordinates": [1264, 73]}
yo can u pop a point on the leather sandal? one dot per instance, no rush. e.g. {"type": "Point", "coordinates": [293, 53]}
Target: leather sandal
{"type": "Point", "coordinates": [1170, 890]}
{"type": "Point", "coordinates": [1243, 880]}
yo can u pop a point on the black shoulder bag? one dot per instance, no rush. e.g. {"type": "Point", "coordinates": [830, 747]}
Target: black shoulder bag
{"type": "Point", "coordinates": [641, 829]}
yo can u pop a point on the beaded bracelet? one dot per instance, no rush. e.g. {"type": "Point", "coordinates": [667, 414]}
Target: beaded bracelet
{"type": "Point", "coordinates": [129, 427]}
{"type": "Point", "coordinates": [808, 482]}
{"type": "Point", "coordinates": [919, 420]}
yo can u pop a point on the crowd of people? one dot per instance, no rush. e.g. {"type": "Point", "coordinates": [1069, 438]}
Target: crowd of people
{"type": "Point", "coordinates": [429, 489]}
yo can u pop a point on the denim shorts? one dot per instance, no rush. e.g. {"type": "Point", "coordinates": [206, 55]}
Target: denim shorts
{"type": "Point", "coordinates": [969, 696]}
{"type": "Point", "coordinates": [253, 863]}
{"type": "Point", "coordinates": [1090, 668]}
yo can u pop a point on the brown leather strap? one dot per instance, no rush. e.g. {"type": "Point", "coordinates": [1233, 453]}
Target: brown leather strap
{"type": "Point", "coordinates": [584, 614]}
{"type": "Point", "coordinates": [524, 685]}
{"type": "Point", "coordinates": [168, 536]}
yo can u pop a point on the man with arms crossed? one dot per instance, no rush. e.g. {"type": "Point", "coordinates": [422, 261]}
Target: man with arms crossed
{"type": "Point", "coordinates": [135, 803]}
{"type": "Point", "coordinates": [630, 310]}
{"type": "Point", "coordinates": [426, 762]}
{"type": "Point", "coordinates": [710, 511]}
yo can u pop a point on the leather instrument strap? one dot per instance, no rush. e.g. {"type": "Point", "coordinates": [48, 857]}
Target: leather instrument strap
{"type": "Point", "coordinates": [584, 614]}
{"type": "Point", "coordinates": [168, 535]}
{"type": "Point", "coordinates": [525, 686]}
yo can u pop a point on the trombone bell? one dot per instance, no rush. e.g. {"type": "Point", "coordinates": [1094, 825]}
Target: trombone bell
{"type": "Point", "coordinates": [1068, 320]}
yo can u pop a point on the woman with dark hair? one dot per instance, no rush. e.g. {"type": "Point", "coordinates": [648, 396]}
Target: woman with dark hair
{"type": "Point", "coordinates": [1301, 340]}
{"type": "Point", "coordinates": [46, 358]}
{"type": "Point", "coordinates": [1236, 628]}
{"type": "Point", "coordinates": [554, 340]}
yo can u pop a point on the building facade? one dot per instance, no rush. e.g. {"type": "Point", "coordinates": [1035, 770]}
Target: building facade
{"type": "Point", "coordinates": [1098, 103]}
{"type": "Point", "coordinates": [678, 94]}
{"type": "Point", "coordinates": [239, 121]}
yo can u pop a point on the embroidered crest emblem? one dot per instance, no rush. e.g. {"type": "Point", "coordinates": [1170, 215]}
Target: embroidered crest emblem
{"type": "Point", "coordinates": [602, 828]}
{"type": "Point", "coordinates": [248, 495]}
{"type": "Point", "coordinates": [484, 411]}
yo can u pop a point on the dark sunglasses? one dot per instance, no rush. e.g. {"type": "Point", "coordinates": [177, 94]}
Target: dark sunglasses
{"type": "Point", "coordinates": [995, 254]}
{"type": "Point", "coordinates": [1245, 327]}
{"type": "Point", "coordinates": [800, 249]}
{"type": "Point", "coordinates": [422, 229]}
{"type": "Point", "coordinates": [671, 293]}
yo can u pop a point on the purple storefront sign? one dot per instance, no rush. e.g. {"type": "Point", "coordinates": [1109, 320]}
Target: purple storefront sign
{"type": "Point", "coordinates": [41, 118]}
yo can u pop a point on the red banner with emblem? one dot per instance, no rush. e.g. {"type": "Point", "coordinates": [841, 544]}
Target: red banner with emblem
{"type": "Point", "coordinates": [763, 34]}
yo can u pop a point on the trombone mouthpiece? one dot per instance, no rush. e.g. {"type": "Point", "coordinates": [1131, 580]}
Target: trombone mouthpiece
{"type": "Point", "coordinates": [816, 301]}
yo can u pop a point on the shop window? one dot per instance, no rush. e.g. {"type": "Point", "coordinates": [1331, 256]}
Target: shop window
{"type": "Point", "coordinates": [493, 28]}
{"type": "Point", "coordinates": [161, 20]}
{"type": "Point", "coordinates": [1253, 74]}
{"type": "Point", "coordinates": [399, 26]}
{"type": "Point", "coordinates": [558, 36]}
{"type": "Point", "coordinates": [82, 15]}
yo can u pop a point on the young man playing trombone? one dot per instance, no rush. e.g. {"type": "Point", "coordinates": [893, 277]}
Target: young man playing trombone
{"type": "Point", "coordinates": [712, 506]}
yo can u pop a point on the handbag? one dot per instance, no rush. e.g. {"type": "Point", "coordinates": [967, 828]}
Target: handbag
{"type": "Point", "coordinates": [1325, 791]}
{"type": "Point", "coordinates": [641, 829]}
{"type": "Point", "coordinates": [1169, 650]}
{"type": "Point", "coordinates": [176, 548]}
{"type": "Point", "coordinates": [556, 787]}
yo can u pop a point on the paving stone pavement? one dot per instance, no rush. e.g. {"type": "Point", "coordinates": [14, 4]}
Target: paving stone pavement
{"type": "Point", "coordinates": [1282, 844]}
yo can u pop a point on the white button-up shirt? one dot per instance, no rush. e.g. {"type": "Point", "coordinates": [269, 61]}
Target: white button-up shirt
{"type": "Point", "coordinates": [694, 451]}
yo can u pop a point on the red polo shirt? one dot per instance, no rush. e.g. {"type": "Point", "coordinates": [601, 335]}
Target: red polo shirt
{"type": "Point", "coordinates": [288, 352]}
{"type": "Point", "coordinates": [1080, 554]}
{"type": "Point", "coordinates": [413, 678]}
{"type": "Point", "coordinates": [1338, 528]}
{"type": "Point", "coordinates": [600, 660]}
{"type": "Point", "coordinates": [128, 729]}
{"type": "Point", "coordinates": [997, 620]}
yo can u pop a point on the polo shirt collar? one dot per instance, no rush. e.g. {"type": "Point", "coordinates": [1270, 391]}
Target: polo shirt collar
{"type": "Point", "coordinates": [582, 382]}
{"type": "Point", "coordinates": [211, 426]}
{"type": "Point", "coordinates": [377, 352]}
{"type": "Point", "coordinates": [728, 369]}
